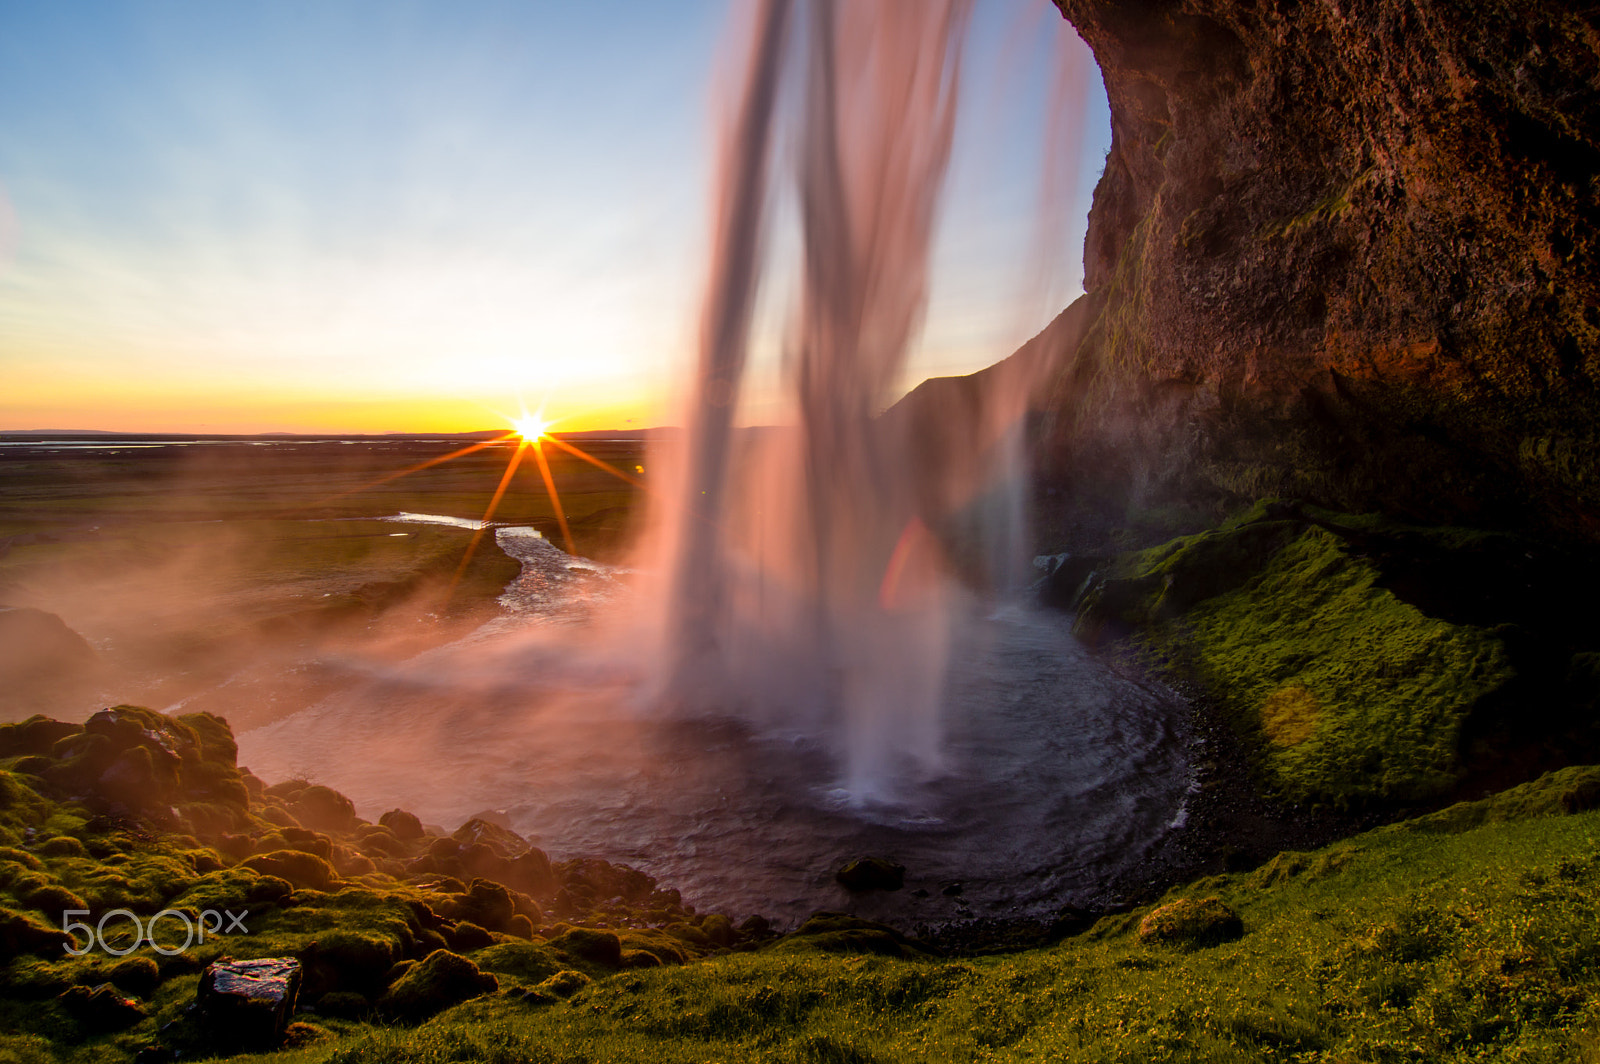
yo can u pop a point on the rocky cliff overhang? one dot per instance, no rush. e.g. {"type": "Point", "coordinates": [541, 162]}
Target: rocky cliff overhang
{"type": "Point", "coordinates": [1344, 250]}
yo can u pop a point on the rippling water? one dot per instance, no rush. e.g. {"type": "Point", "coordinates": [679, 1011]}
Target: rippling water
{"type": "Point", "coordinates": [1058, 771]}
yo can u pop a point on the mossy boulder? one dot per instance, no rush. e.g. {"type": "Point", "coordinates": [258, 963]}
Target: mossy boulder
{"type": "Point", "coordinates": [564, 983]}
{"type": "Point", "coordinates": [827, 932]}
{"type": "Point", "coordinates": [1190, 923]}
{"type": "Point", "coordinates": [440, 980]}
{"type": "Point", "coordinates": [405, 826]}
{"type": "Point", "coordinates": [37, 735]}
{"type": "Point", "coordinates": [602, 948]}
{"type": "Point", "coordinates": [503, 841]}
{"type": "Point", "coordinates": [300, 868]}
{"type": "Point", "coordinates": [137, 975]}
{"type": "Point", "coordinates": [523, 962]}
{"type": "Point", "coordinates": [101, 1009]}
{"type": "Point", "coordinates": [323, 809]}
{"type": "Point", "coordinates": [353, 961]}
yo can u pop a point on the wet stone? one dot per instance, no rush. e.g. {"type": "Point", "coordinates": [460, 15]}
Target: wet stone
{"type": "Point", "coordinates": [249, 1002]}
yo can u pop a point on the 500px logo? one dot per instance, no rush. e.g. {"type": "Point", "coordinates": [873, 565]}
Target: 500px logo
{"type": "Point", "coordinates": [145, 932]}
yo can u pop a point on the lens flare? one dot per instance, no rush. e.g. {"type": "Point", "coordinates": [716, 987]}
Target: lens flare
{"type": "Point", "coordinates": [530, 426]}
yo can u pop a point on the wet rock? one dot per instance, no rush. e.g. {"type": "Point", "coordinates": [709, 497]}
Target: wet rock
{"type": "Point", "coordinates": [593, 878]}
{"type": "Point", "coordinates": [1191, 924]}
{"type": "Point", "coordinates": [502, 840]}
{"type": "Point", "coordinates": [248, 1003]}
{"type": "Point", "coordinates": [1067, 580]}
{"type": "Point", "coordinates": [871, 873]}
{"type": "Point", "coordinates": [440, 980]}
{"type": "Point", "coordinates": [102, 1009]}
{"type": "Point", "coordinates": [532, 873]}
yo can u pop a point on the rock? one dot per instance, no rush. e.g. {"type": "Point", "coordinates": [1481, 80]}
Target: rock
{"type": "Point", "coordinates": [1067, 580]}
{"type": "Point", "coordinates": [1409, 233]}
{"type": "Point", "coordinates": [301, 869]}
{"type": "Point", "coordinates": [532, 873]}
{"type": "Point", "coordinates": [871, 873]}
{"type": "Point", "coordinates": [248, 1003]}
{"type": "Point", "coordinates": [565, 983]}
{"type": "Point", "coordinates": [102, 1009]}
{"type": "Point", "coordinates": [597, 879]}
{"type": "Point", "coordinates": [827, 932]}
{"type": "Point", "coordinates": [440, 980]}
{"type": "Point", "coordinates": [323, 809]}
{"type": "Point", "coordinates": [37, 735]}
{"type": "Point", "coordinates": [467, 936]}
{"type": "Point", "coordinates": [485, 903]}
{"type": "Point", "coordinates": [404, 825]}
{"type": "Point", "coordinates": [502, 840]}
{"type": "Point", "coordinates": [352, 961]}
{"type": "Point", "coordinates": [718, 928]}
{"type": "Point", "coordinates": [596, 947]}
{"type": "Point", "coordinates": [137, 975]}
{"type": "Point", "coordinates": [1191, 924]}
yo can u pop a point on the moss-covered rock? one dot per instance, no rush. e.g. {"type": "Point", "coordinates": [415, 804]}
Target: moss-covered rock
{"type": "Point", "coordinates": [603, 948]}
{"type": "Point", "coordinates": [522, 962]}
{"type": "Point", "coordinates": [826, 932]}
{"type": "Point", "coordinates": [323, 809]}
{"type": "Point", "coordinates": [1191, 923]}
{"type": "Point", "coordinates": [440, 980]}
{"type": "Point", "coordinates": [403, 825]}
{"type": "Point", "coordinates": [300, 868]}
{"type": "Point", "coordinates": [101, 1009]}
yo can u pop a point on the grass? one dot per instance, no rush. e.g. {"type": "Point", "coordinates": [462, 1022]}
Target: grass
{"type": "Point", "coordinates": [1392, 946]}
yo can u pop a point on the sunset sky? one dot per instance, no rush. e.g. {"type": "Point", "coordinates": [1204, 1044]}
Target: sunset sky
{"type": "Point", "coordinates": [373, 215]}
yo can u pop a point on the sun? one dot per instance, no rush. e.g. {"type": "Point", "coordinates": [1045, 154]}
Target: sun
{"type": "Point", "coordinates": [530, 426]}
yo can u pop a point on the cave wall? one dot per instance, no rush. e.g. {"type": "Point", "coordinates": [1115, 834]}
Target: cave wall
{"type": "Point", "coordinates": [1343, 250]}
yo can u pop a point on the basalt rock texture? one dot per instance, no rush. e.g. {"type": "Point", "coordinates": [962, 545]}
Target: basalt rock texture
{"type": "Point", "coordinates": [1345, 250]}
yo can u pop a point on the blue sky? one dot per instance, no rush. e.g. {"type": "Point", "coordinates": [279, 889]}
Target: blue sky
{"type": "Point", "coordinates": [388, 216]}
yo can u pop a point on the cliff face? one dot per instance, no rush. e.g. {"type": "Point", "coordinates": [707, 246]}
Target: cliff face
{"type": "Point", "coordinates": [1344, 249]}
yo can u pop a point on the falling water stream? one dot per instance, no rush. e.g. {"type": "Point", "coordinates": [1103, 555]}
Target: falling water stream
{"type": "Point", "coordinates": [791, 675]}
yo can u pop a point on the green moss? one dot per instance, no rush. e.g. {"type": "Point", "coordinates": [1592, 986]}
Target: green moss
{"type": "Point", "coordinates": [521, 962]}
{"type": "Point", "coordinates": [1349, 695]}
{"type": "Point", "coordinates": [1356, 695]}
